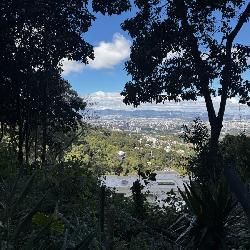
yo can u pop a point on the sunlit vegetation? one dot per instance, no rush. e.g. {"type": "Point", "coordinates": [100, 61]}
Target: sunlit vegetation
{"type": "Point", "coordinates": [100, 147]}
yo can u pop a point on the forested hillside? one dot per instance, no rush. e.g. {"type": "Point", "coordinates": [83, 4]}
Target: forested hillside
{"type": "Point", "coordinates": [100, 147]}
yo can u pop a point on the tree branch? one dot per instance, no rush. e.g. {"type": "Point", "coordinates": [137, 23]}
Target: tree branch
{"type": "Point", "coordinates": [227, 79]}
{"type": "Point", "coordinates": [199, 63]}
{"type": "Point", "coordinates": [243, 18]}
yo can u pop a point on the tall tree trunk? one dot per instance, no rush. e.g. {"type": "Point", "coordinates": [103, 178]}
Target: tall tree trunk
{"type": "Point", "coordinates": [35, 146]}
{"type": "Point", "coordinates": [27, 144]}
{"type": "Point", "coordinates": [20, 144]}
{"type": "Point", "coordinates": [44, 123]}
{"type": "Point", "coordinates": [44, 141]}
{"type": "Point", "coordinates": [213, 157]}
{"type": "Point", "coordinates": [2, 131]}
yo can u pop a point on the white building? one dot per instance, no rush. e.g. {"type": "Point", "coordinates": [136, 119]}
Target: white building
{"type": "Point", "coordinates": [156, 191]}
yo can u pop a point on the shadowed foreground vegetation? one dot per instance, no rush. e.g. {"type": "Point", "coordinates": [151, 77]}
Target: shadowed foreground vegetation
{"type": "Point", "coordinates": [64, 206]}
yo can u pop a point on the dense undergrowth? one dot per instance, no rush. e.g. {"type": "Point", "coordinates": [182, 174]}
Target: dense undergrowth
{"type": "Point", "coordinates": [65, 206]}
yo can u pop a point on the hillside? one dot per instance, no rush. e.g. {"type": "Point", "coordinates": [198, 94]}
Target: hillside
{"type": "Point", "coordinates": [100, 148]}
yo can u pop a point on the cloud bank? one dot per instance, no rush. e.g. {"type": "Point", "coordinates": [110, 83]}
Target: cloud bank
{"type": "Point", "coordinates": [113, 100]}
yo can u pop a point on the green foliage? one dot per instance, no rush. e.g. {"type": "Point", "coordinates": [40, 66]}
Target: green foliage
{"type": "Point", "coordinates": [100, 147]}
{"type": "Point", "coordinates": [236, 150]}
{"type": "Point", "coordinates": [60, 208]}
{"type": "Point", "coordinates": [37, 209]}
{"type": "Point", "coordinates": [197, 134]}
{"type": "Point", "coordinates": [111, 7]}
{"type": "Point", "coordinates": [50, 221]}
{"type": "Point", "coordinates": [211, 207]}
{"type": "Point", "coordinates": [139, 199]}
{"type": "Point", "coordinates": [72, 211]}
{"type": "Point", "coordinates": [233, 150]}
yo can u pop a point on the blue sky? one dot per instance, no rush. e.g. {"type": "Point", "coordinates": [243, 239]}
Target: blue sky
{"type": "Point", "coordinates": [109, 78]}
{"type": "Point", "coordinates": [111, 44]}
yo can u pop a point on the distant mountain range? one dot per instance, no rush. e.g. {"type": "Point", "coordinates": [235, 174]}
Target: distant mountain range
{"type": "Point", "coordinates": [110, 104]}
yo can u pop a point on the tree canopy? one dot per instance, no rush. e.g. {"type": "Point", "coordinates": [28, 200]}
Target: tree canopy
{"type": "Point", "coordinates": [35, 37]}
{"type": "Point", "coordinates": [185, 49]}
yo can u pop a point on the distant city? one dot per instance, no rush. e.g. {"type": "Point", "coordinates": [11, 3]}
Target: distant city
{"type": "Point", "coordinates": [162, 122]}
{"type": "Point", "coordinates": [108, 110]}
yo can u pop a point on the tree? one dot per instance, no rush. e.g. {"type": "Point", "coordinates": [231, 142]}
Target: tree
{"type": "Point", "coordinates": [185, 49]}
{"type": "Point", "coordinates": [35, 36]}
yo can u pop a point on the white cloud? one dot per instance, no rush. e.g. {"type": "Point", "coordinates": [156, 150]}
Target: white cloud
{"type": "Point", "coordinates": [71, 67]}
{"type": "Point", "coordinates": [113, 100]}
{"type": "Point", "coordinates": [109, 54]}
{"type": "Point", "coordinates": [100, 95]}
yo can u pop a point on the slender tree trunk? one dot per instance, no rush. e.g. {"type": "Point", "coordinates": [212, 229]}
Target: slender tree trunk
{"type": "Point", "coordinates": [35, 146]}
{"type": "Point", "coordinates": [27, 145]}
{"type": "Point", "coordinates": [44, 123]}
{"type": "Point", "coordinates": [44, 139]}
{"type": "Point", "coordinates": [20, 144]}
{"type": "Point", "coordinates": [2, 131]}
{"type": "Point", "coordinates": [214, 169]}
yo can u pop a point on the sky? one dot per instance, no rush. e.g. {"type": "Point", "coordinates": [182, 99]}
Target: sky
{"type": "Point", "coordinates": [112, 48]}
{"type": "Point", "coordinates": [105, 76]}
